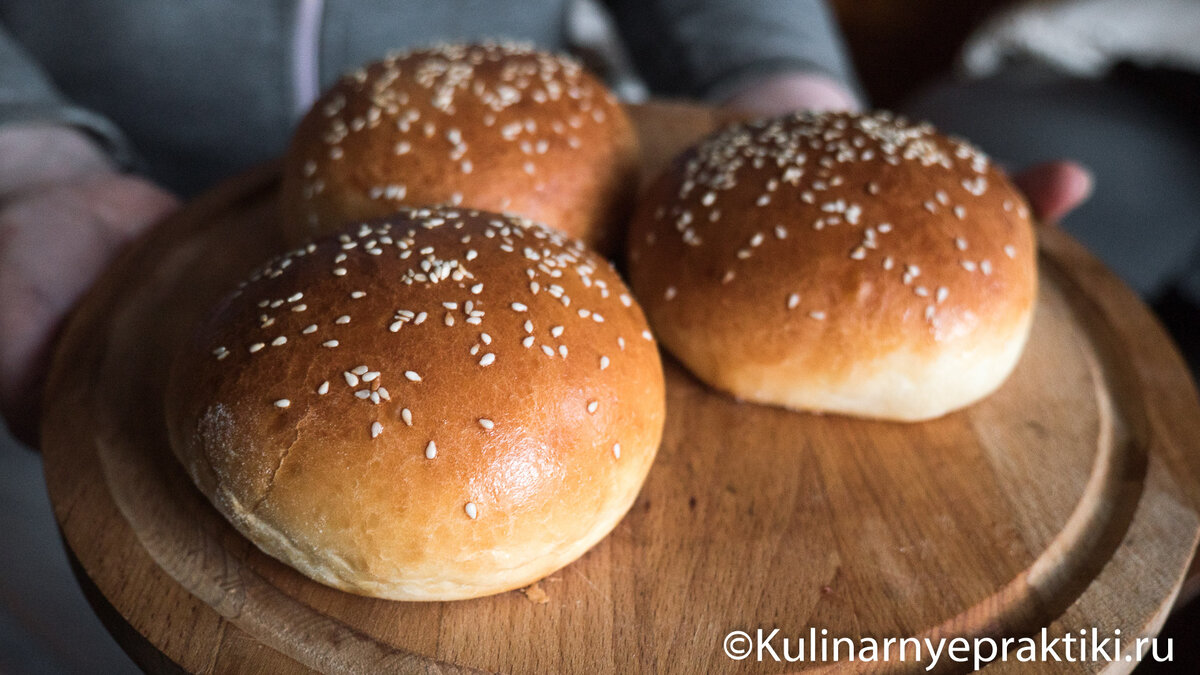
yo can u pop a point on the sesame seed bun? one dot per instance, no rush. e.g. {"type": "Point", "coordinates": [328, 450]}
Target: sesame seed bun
{"type": "Point", "coordinates": [498, 127]}
{"type": "Point", "coordinates": [437, 405]}
{"type": "Point", "coordinates": [836, 262]}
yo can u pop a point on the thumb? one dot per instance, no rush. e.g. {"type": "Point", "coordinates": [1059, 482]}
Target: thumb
{"type": "Point", "coordinates": [1055, 188]}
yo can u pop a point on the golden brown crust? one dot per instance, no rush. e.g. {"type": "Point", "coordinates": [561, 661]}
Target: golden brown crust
{"type": "Point", "coordinates": [837, 262]}
{"type": "Point", "coordinates": [430, 322]}
{"type": "Point", "coordinates": [492, 127]}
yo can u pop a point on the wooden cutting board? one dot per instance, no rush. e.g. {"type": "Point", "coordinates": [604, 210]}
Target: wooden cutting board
{"type": "Point", "coordinates": [1067, 499]}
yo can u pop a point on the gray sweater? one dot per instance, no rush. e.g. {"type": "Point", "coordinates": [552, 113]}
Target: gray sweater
{"type": "Point", "coordinates": [192, 91]}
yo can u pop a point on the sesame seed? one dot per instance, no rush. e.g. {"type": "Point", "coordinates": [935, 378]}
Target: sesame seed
{"type": "Point", "coordinates": [312, 328]}
{"type": "Point", "coordinates": [477, 289]}
{"type": "Point", "coordinates": [472, 510]}
{"type": "Point", "coordinates": [300, 308]}
{"type": "Point", "coordinates": [395, 326]}
{"type": "Point", "coordinates": [858, 253]}
{"type": "Point", "coordinates": [1010, 250]}
{"type": "Point", "coordinates": [968, 265]}
{"type": "Point", "coordinates": [528, 326]}
{"type": "Point", "coordinates": [431, 450]}
{"type": "Point", "coordinates": [282, 403]}
{"type": "Point", "coordinates": [339, 271]}
{"type": "Point", "coordinates": [819, 316]}
{"type": "Point", "coordinates": [547, 350]}
{"type": "Point", "coordinates": [669, 294]}
{"type": "Point", "coordinates": [376, 429]}
{"type": "Point", "coordinates": [562, 351]}
{"type": "Point", "coordinates": [330, 343]}
{"type": "Point", "coordinates": [604, 362]}
{"type": "Point", "coordinates": [279, 341]}
{"type": "Point", "coordinates": [519, 307]}
{"type": "Point", "coordinates": [616, 450]}
{"type": "Point", "coordinates": [793, 301]}
{"type": "Point", "coordinates": [359, 370]}
{"type": "Point", "coordinates": [486, 423]}
{"type": "Point", "coordinates": [406, 415]}
{"type": "Point", "coordinates": [343, 319]}
{"type": "Point", "coordinates": [985, 266]}
{"type": "Point", "coordinates": [370, 376]}
{"type": "Point", "coordinates": [323, 388]}
{"type": "Point", "coordinates": [528, 341]}
{"type": "Point", "coordinates": [557, 331]}
{"type": "Point", "coordinates": [592, 406]}
{"type": "Point", "coordinates": [487, 359]}
{"type": "Point", "coordinates": [362, 394]}
{"type": "Point", "coordinates": [412, 376]}
{"type": "Point", "coordinates": [960, 243]}
{"type": "Point", "coordinates": [357, 294]}
{"type": "Point", "coordinates": [647, 336]}
{"type": "Point", "coordinates": [351, 378]}
{"type": "Point", "coordinates": [420, 318]}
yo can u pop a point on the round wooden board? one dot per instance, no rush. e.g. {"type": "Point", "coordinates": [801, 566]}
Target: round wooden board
{"type": "Point", "coordinates": [1067, 499]}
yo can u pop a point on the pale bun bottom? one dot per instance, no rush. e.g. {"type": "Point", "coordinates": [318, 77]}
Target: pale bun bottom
{"type": "Point", "coordinates": [902, 385]}
{"type": "Point", "coordinates": [422, 583]}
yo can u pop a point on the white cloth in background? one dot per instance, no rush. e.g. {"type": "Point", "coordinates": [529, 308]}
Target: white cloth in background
{"type": "Point", "coordinates": [1087, 37]}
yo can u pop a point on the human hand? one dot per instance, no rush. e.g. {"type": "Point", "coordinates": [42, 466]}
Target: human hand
{"type": "Point", "coordinates": [783, 93]}
{"type": "Point", "coordinates": [63, 217]}
{"type": "Point", "coordinates": [1054, 189]}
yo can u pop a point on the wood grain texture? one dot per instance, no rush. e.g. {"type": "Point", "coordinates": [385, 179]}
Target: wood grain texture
{"type": "Point", "coordinates": [1068, 499]}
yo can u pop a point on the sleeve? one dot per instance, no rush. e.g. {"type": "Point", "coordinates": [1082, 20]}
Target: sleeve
{"type": "Point", "coordinates": [28, 96]}
{"type": "Point", "coordinates": [711, 48]}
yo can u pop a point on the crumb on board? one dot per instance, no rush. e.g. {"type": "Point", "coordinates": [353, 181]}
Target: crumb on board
{"type": "Point", "coordinates": [535, 594]}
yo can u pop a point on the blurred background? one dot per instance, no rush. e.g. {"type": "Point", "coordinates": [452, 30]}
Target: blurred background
{"type": "Point", "coordinates": [1111, 83]}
